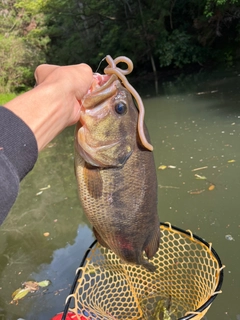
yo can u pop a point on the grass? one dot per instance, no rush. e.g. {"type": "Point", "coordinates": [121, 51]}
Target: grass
{"type": "Point", "coordinates": [5, 97]}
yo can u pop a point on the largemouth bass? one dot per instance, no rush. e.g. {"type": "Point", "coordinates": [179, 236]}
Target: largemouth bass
{"type": "Point", "coordinates": [116, 173]}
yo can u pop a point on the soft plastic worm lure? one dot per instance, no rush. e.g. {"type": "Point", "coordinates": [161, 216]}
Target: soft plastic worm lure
{"type": "Point", "coordinates": [120, 73]}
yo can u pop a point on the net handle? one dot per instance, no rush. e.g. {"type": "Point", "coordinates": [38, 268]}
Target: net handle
{"type": "Point", "coordinates": [75, 281]}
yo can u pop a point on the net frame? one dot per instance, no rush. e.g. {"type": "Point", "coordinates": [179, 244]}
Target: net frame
{"type": "Point", "coordinates": [196, 314]}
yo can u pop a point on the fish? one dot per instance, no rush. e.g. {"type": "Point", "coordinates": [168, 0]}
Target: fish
{"type": "Point", "coordinates": [115, 172]}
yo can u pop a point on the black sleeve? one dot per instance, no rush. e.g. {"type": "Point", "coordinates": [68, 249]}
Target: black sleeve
{"type": "Point", "coordinates": [18, 154]}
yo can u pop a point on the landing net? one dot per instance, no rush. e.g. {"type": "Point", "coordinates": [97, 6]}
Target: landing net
{"type": "Point", "coordinates": [188, 278]}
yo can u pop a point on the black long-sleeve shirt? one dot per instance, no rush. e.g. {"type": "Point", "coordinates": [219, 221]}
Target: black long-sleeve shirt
{"type": "Point", "coordinates": [18, 154]}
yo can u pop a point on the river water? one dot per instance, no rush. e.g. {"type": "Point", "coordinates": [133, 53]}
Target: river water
{"type": "Point", "coordinates": [194, 122]}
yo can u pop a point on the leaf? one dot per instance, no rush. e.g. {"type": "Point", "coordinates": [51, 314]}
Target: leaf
{"type": "Point", "coordinates": [229, 237]}
{"type": "Point", "coordinates": [19, 294]}
{"type": "Point", "coordinates": [211, 187]}
{"type": "Point", "coordinates": [200, 168]}
{"type": "Point", "coordinates": [45, 188]}
{"type": "Point", "coordinates": [31, 286]}
{"type": "Point", "coordinates": [200, 177]}
{"type": "Point", "coordinates": [231, 161]}
{"type": "Point", "coordinates": [162, 167]}
{"type": "Point", "coordinates": [44, 283]}
{"type": "Point", "coordinates": [196, 191]}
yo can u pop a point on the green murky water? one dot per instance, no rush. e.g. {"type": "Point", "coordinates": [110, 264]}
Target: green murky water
{"type": "Point", "coordinates": [194, 122]}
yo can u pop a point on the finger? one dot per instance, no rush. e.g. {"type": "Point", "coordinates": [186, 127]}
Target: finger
{"type": "Point", "coordinates": [84, 79]}
{"type": "Point", "coordinates": [43, 71]}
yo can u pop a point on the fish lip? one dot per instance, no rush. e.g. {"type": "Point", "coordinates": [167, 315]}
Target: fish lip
{"type": "Point", "coordinates": [102, 81]}
{"type": "Point", "coordinates": [87, 106]}
{"type": "Point", "coordinates": [100, 90]}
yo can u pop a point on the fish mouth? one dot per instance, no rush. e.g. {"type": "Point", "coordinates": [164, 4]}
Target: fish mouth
{"type": "Point", "coordinates": [100, 82]}
{"type": "Point", "coordinates": [103, 87]}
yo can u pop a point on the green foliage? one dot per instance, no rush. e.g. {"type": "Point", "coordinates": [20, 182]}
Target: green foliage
{"type": "Point", "coordinates": [154, 34]}
{"type": "Point", "coordinates": [178, 48]}
{"type": "Point", "coordinates": [18, 61]}
{"type": "Point", "coordinates": [5, 97]}
{"type": "Point", "coordinates": [31, 7]}
{"type": "Point", "coordinates": [12, 54]}
{"type": "Point", "coordinates": [22, 46]}
{"type": "Point", "coordinates": [222, 5]}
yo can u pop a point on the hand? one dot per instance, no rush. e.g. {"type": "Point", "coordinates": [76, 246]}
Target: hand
{"type": "Point", "coordinates": [54, 103]}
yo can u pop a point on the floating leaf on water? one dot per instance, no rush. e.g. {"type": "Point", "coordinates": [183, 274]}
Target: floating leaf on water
{"type": "Point", "coordinates": [229, 237]}
{"type": "Point", "coordinates": [200, 168]}
{"type": "Point", "coordinates": [45, 188]}
{"type": "Point", "coordinates": [196, 191]}
{"type": "Point", "coordinates": [162, 167]}
{"type": "Point", "coordinates": [46, 234]}
{"type": "Point", "coordinates": [231, 161]}
{"type": "Point", "coordinates": [211, 187]}
{"type": "Point", "coordinates": [172, 167]}
{"type": "Point", "coordinates": [19, 294]}
{"type": "Point", "coordinates": [200, 177]}
{"type": "Point", "coordinates": [44, 283]}
{"type": "Point", "coordinates": [31, 286]}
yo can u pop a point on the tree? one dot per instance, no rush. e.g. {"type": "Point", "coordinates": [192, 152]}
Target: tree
{"type": "Point", "coordinates": [21, 46]}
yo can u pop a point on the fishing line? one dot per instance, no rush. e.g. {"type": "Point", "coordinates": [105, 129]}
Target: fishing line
{"type": "Point", "coordinates": [100, 64]}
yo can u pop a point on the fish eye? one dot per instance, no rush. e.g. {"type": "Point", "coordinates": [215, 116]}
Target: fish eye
{"type": "Point", "coordinates": [121, 108]}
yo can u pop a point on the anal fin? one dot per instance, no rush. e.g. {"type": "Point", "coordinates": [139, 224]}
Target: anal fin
{"type": "Point", "coordinates": [153, 244]}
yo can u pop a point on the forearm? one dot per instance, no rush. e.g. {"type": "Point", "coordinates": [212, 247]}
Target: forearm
{"type": "Point", "coordinates": [38, 109]}
{"type": "Point", "coordinates": [9, 186]}
{"type": "Point", "coordinates": [18, 154]}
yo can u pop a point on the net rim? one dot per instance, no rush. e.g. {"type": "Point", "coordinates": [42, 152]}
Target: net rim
{"type": "Point", "coordinates": [221, 273]}
{"type": "Point", "coordinates": [187, 233]}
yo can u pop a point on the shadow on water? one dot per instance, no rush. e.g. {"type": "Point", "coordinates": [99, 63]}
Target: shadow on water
{"type": "Point", "coordinates": [194, 122]}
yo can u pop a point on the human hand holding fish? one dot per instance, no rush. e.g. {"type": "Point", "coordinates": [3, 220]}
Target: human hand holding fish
{"type": "Point", "coordinates": [53, 104]}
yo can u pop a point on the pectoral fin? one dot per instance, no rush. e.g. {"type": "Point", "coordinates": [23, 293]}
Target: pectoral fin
{"type": "Point", "coordinates": [93, 180]}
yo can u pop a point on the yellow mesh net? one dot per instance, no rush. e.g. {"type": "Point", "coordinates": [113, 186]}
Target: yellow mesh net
{"type": "Point", "coordinates": [189, 276]}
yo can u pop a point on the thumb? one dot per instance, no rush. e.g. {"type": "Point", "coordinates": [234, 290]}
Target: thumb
{"type": "Point", "coordinates": [43, 71]}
